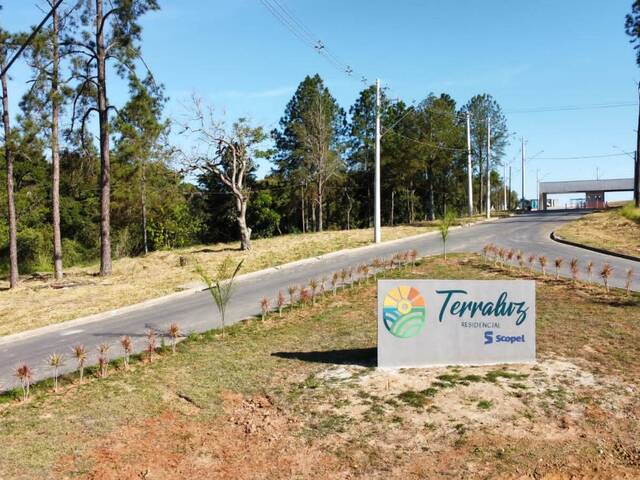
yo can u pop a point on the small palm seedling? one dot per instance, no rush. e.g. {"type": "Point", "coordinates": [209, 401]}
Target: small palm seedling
{"type": "Point", "coordinates": [334, 282]}
{"type": "Point", "coordinates": [485, 252]}
{"type": "Point", "coordinates": [629, 280]}
{"type": "Point", "coordinates": [531, 260]}
{"type": "Point", "coordinates": [542, 260]}
{"type": "Point", "coordinates": [365, 272]}
{"type": "Point", "coordinates": [589, 268]}
{"type": "Point", "coordinates": [280, 302]}
{"type": "Point", "coordinates": [502, 253]}
{"type": "Point", "coordinates": [127, 348]}
{"type": "Point", "coordinates": [605, 273]}
{"type": "Point", "coordinates": [313, 288]}
{"type": "Point", "coordinates": [151, 345]}
{"type": "Point", "coordinates": [558, 264]}
{"type": "Point", "coordinates": [377, 266]}
{"type": "Point", "coordinates": [350, 275]}
{"type": "Point", "coordinates": [103, 359]}
{"type": "Point", "coordinates": [323, 283]}
{"type": "Point", "coordinates": [55, 361]}
{"type": "Point", "coordinates": [174, 333]}
{"type": "Point", "coordinates": [291, 290]}
{"type": "Point", "coordinates": [25, 375]}
{"type": "Point", "coordinates": [80, 354]}
{"type": "Point", "coordinates": [221, 287]}
{"type": "Point", "coordinates": [575, 270]}
{"type": "Point", "coordinates": [305, 296]}
{"type": "Point", "coordinates": [343, 277]}
{"type": "Point", "coordinates": [360, 274]}
{"type": "Point", "coordinates": [264, 307]}
{"type": "Point", "coordinates": [413, 255]}
{"type": "Point", "coordinates": [510, 254]}
{"type": "Point", "coordinates": [520, 259]}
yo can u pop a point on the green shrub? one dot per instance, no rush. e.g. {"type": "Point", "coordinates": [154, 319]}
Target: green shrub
{"type": "Point", "coordinates": [631, 212]}
{"type": "Point", "coordinates": [34, 250]}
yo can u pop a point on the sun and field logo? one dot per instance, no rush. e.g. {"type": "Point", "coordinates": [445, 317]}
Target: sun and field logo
{"type": "Point", "coordinates": [404, 312]}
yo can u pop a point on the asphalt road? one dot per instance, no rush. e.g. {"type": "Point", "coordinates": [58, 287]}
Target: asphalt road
{"type": "Point", "coordinates": [196, 313]}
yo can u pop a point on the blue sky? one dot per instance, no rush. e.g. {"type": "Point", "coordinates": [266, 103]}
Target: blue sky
{"type": "Point", "coordinates": [526, 54]}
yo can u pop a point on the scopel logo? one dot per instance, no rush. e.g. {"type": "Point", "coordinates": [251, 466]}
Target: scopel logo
{"type": "Point", "coordinates": [404, 312]}
{"type": "Point", "coordinates": [490, 338]}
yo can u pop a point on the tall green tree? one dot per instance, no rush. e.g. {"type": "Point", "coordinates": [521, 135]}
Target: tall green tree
{"type": "Point", "coordinates": [482, 108]}
{"type": "Point", "coordinates": [6, 42]}
{"type": "Point", "coordinates": [105, 34]}
{"type": "Point", "coordinates": [309, 143]}
{"type": "Point", "coordinates": [140, 129]}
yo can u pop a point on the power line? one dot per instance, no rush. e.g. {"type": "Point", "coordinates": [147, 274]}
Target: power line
{"type": "Point", "coordinates": [304, 34]}
{"type": "Point", "coordinates": [579, 157]}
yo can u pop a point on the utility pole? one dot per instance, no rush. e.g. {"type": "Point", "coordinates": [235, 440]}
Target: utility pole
{"type": "Point", "coordinates": [469, 171]}
{"type": "Point", "coordinates": [488, 167]}
{"type": "Point", "coordinates": [509, 198]}
{"type": "Point", "coordinates": [523, 179]}
{"type": "Point", "coordinates": [636, 170]}
{"type": "Point", "coordinates": [377, 229]}
{"type": "Point", "coordinates": [504, 185]}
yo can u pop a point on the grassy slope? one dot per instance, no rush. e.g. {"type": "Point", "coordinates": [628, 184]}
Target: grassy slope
{"type": "Point", "coordinates": [52, 435]}
{"type": "Point", "coordinates": [608, 229]}
{"type": "Point", "coordinates": [35, 303]}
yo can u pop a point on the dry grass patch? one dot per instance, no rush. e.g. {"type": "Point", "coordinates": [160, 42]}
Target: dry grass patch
{"type": "Point", "coordinates": [608, 230]}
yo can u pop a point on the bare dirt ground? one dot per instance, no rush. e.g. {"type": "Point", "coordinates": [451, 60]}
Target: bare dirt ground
{"type": "Point", "coordinates": [552, 419]}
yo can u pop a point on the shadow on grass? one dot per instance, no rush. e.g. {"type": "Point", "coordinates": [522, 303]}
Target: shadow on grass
{"type": "Point", "coordinates": [364, 357]}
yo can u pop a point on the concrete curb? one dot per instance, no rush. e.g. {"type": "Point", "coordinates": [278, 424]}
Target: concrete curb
{"type": "Point", "coordinates": [76, 322]}
{"type": "Point", "coordinates": [558, 239]}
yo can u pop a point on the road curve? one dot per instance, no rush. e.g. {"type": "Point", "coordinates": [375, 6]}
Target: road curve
{"type": "Point", "coordinates": [529, 233]}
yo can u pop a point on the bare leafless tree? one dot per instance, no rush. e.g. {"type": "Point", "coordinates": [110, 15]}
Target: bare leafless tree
{"type": "Point", "coordinates": [316, 134]}
{"type": "Point", "coordinates": [227, 152]}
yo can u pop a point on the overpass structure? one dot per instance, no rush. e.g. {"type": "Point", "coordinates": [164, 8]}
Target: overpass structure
{"type": "Point", "coordinates": [594, 190]}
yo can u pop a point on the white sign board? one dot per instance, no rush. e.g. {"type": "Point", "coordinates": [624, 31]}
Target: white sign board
{"type": "Point", "coordinates": [455, 322]}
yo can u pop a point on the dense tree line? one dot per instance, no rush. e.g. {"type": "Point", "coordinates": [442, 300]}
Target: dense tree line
{"type": "Point", "coordinates": [80, 188]}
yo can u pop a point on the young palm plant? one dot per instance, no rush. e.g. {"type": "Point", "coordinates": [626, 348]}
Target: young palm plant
{"type": "Point", "coordinates": [55, 361]}
{"type": "Point", "coordinates": [520, 259]}
{"type": "Point", "coordinates": [313, 288]}
{"type": "Point", "coordinates": [510, 254]}
{"type": "Point", "coordinates": [264, 307]}
{"type": "Point", "coordinates": [628, 281]}
{"type": "Point", "coordinates": [174, 333]}
{"type": "Point", "coordinates": [25, 375]}
{"type": "Point", "coordinates": [605, 273]}
{"type": "Point", "coordinates": [542, 260]}
{"type": "Point", "coordinates": [531, 260]}
{"type": "Point", "coordinates": [305, 296]}
{"type": "Point", "coordinates": [343, 277]}
{"type": "Point", "coordinates": [291, 290]}
{"type": "Point", "coordinates": [103, 359]}
{"type": "Point", "coordinates": [575, 270]}
{"type": "Point", "coordinates": [558, 263]}
{"type": "Point", "coordinates": [589, 268]}
{"type": "Point", "coordinates": [127, 348]}
{"type": "Point", "coordinates": [334, 282]}
{"type": "Point", "coordinates": [151, 344]}
{"type": "Point", "coordinates": [80, 354]}
{"type": "Point", "coordinates": [221, 287]}
{"type": "Point", "coordinates": [413, 255]}
{"type": "Point", "coordinates": [281, 302]}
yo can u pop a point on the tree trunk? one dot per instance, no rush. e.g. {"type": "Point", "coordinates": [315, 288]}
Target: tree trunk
{"type": "Point", "coordinates": [55, 152]}
{"type": "Point", "coordinates": [320, 219]}
{"type": "Point", "coordinates": [393, 196]}
{"type": "Point", "coordinates": [245, 232]}
{"type": "Point", "coordinates": [105, 164]}
{"type": "Point", "coordinates": [314, 224]}
{"type": "Point", "coordinates": [11, 204]}
{"type": "Point", "coordinates": [143, 204]}
{"type": "Point", "coordinates": [430, 200]}
{"type": "Point", "coordinates": [302, 210]}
